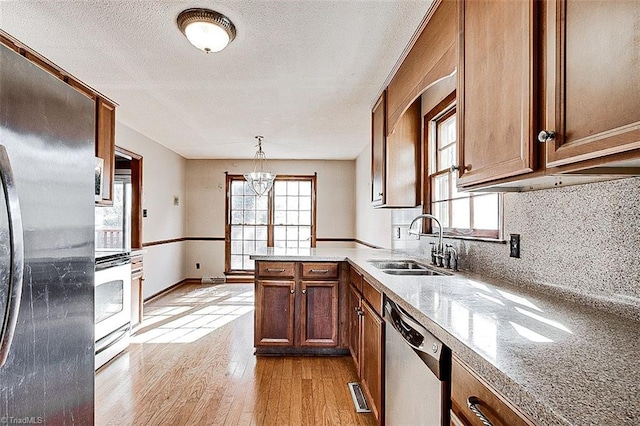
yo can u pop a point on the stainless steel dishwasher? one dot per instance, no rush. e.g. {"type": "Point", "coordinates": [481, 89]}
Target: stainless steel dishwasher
{"type": "Point", "coordinates": [417, 372]}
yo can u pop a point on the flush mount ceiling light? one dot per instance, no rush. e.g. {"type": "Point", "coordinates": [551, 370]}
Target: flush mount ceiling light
{"type": "Point", "coordinates": [259, 180]}
{"type": "Point", "coordinates": [206, 29]}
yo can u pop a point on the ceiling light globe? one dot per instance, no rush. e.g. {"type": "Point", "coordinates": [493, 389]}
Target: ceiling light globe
{"type": "Point", "coordinates": [207, 36]}
{"type": "Point", "coordinates": [206, 29]}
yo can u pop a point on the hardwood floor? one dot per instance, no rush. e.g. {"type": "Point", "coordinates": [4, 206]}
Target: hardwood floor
{"type": "Point", "coordinates": [192, 363]}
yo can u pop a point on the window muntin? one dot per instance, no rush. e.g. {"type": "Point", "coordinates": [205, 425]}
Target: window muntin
{"type": "Point", "coordinates": [460, 213]}
{"type": "Point", "coordinates": [283, 219]}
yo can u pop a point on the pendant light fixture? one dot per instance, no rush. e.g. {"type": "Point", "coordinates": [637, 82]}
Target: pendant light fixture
{"type": "Point", "coordinates": [260, 180]}
{"type": "Point", "coordinates": [206, 29]}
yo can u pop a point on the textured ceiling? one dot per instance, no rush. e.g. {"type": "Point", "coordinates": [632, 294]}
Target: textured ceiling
{"type": "Point", "coordinates": [302, 73]}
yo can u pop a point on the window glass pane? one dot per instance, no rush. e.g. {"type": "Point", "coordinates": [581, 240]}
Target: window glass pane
{"type": "Point", "coordinates": [236, 232]}
{"type": "Point", "coordinates": [261, 233]}
{"type": "Point", "coordinates": [262, 217]}
{"type": "Point", "coordinates": [305, 218]}
{"type": "Point", "coordinates": [249, 246]}
{"type": "Point", "coordinates": [485, 211]}
{"type": "Point", "coordinates": [441, 185]}
{"type": "Point", "coordinates": [236, 247]}
{"type": "Point", "coordinates": [304, 233]}
{"type": "Point", "coordinates": [247, 263]}
{"type": "Point", "coordinates": [305, 187]}
{"type": "Point", "coordinates": [279, 233]}
{"type": "Point", "coordinates": [305, 244]}
{"type": "Point", "coordinates": [236, 187]}
{"type": "Point", "coordinates": [279, 244]}
{"type": "Point", "coordinates": [249, 217]}
{"type": "Point", "coordinates": [280, 187]}
{"type": "Point", "coordinates": [292, 203]}
{"type": "Point", "coordinates": [292, 188]}
{"type": "Point", "coordinates": [281, 203]}
{"type": "Point", "coordinates": [447, 158]}
{"type": "Point", "coordinates": [236, 203]}
{"type": "Point", "coordinates": [261, 247]}
{"type": "Point", "coordinates": [305, 203]}
{"type": "Point", "coordinates": [460, 214]}
{"type": "Point", "coordinates": [441, 211]}
{"type": "Point", "coordinates": [447, 131]}
{"type": "Point", "coordinates": [454, 188]}
{"type": "Point", "coordinates": [249, 202]}
{"type": "Point", "coordinates": [236, 217]}
{"type": "Point", "coordinates": [292, 233]}
{"type": "Point", "coordinates": [236, 262]}
{"type": "Point", "coordinates": [280, 218]}
{"type": "Point", "coordinates": [262, 203]}
{"type": "Point", "coordinates": [292, 218]}
{"type": "Point", "coordinates": [249, 233]}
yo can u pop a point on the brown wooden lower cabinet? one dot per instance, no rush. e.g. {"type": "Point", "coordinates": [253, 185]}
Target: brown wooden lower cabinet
{"type": "Point", "coordinates": [366, 340]}
{"type": "Point", "coordinates": [274, 321]}
{"type": "Point", "coordinates": [298, 308]}
{"type": "Point", "coordinates": [467, 388]}
{"type": "Point", "coordinates": [372, 358]}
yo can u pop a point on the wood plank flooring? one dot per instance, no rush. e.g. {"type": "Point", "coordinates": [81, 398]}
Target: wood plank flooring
{"type": "Point", "coordinates": [192, 363]}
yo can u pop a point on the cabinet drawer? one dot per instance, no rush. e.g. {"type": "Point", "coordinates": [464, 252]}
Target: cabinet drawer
{"type": "Point", "coordinates": [356, 278]}
{"type": "Point", "coordinates": [319, 270]}
{"type": "Point", "coordinates": [373, 296]}
{"type": "Point", "coordinates": [276, 269]}
{"type": "Point", "coordinates": [465, 387]}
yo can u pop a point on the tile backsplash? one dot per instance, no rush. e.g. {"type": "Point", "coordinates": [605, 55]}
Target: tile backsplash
{"type": "Point", "coordinates": [580, 241]}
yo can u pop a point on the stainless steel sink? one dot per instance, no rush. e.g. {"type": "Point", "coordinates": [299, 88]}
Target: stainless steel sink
{"type": "Point", "coordinates": [412, 272]}
{"type": "Point", "coordinates": [404, 267]}
{"type": "Point", "coordinates": [397, 264]}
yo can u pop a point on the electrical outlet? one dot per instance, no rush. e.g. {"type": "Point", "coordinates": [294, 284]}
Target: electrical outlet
{"type": "Point", "coordinates": [514, 245]}
{"type": "Point", "coordinates": [144, 212]}
{"type": "Point", "coordinates": [176, 200]}
{"type": "Point", "coordinates": [198, 265]}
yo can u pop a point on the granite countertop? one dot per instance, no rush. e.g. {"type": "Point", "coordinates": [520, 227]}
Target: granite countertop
{"type": "Point", "coordinates": [560, 362]}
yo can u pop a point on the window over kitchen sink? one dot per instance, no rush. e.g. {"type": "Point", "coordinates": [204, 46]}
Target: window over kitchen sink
{"type": "Point", "coordinates": [283, 219]}
{"type": "Point", "coordinates": [462, 214]}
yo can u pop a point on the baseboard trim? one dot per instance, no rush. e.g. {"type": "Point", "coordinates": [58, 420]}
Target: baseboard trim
{"type": "Point", "coordinates": [168, 289]}
{"type": "Point", "coordinates": [240, 279]}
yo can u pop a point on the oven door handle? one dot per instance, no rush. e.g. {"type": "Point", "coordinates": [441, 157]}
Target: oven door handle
{"type": "Point", "coordinates": [14, 290]}
{"type": "Point", "coordinates": [113, 338]}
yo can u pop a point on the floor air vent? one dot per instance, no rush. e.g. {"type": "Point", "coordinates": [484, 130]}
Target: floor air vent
{"type": "Point", "coordinates": [358, 398]}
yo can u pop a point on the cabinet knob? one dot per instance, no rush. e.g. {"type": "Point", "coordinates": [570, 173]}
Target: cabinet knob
{"type": "Point", "coordinates": [457, 168]}
{"type": "Point", "coordinates": [546, 136]}
{"type": "Point", "coordinates": [292, 291]}
{"type": "Point", "coordinates": [304, 291]}
{"type": "Point", "coordinates": [379, 194]}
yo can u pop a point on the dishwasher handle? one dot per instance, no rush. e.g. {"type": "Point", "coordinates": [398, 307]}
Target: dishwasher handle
{"type": "Point", "coordinates": [431, 350]}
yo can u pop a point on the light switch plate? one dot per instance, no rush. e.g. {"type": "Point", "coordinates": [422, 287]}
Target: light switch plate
{"type": "Point", "coordinates": [514, 245]}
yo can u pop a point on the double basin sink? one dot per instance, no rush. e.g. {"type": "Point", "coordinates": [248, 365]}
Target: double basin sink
{"type": "Point", "coordinates": [404, 267]}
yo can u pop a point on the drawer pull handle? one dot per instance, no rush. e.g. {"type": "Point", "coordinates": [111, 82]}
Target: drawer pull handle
{"type": "Point", "coordinates": [472, 403]}
{"type": "Point", "coordinates": [319, 271]}
{"type": "Point", "coordinates": [275, 269]}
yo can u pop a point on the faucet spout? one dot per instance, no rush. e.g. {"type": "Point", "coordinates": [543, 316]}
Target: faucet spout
{"type": "Point", "coordinates": [440, 247]}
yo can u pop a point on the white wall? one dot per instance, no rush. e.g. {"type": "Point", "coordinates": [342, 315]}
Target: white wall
{"type": "Point", "coordinates": [373, 226]}
{"type": "Point", "coordinates": [206, 205]}
{"type": "Point", "coordinates": [163, 177]}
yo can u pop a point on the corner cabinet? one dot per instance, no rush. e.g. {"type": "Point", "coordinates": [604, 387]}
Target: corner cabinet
{"type": "Point", "coordinates": [497, 89]}
{"type": "Point", "coordinates": [297, 308]}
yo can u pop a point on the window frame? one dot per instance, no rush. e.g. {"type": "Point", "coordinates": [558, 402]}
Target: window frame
{"type": "Point", "coordinates": [270, 216]}
{"type": "Point", "coordinates": [442, 111]}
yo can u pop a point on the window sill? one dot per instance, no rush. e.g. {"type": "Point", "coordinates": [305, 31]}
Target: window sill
{"type": "Point", "coordinates": [463, 237]}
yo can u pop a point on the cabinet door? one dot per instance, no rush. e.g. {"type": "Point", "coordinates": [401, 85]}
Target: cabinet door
{"type": "Point", "coordinates": [105, 146]}
{"type": "Point", "coordinates": [372, 358]}
{"type": "Point", "coordinates": [136, 299]}
{"type": "Point", "coordinates": [593, 79]}
{"type": "Point", "coordinates": [274, 316]}
{"type": "Point", "coordinates": [378, 151]}
{"type": "Point", "coordinates": [353, 324]}
{"type": "Point", "coordinates": [319, 313]}
{"type": "Point", "coordinates": [496, 89]}
{"type": "Point", "coordinates": [466, 387]}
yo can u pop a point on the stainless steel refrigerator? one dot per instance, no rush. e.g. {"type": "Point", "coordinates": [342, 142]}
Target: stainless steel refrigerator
{"type": "Point", "coordinates": [46, 247]}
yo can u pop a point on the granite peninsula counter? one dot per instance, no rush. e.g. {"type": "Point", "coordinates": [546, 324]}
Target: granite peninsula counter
{"type": "Point", "coordinates": [560, 362]}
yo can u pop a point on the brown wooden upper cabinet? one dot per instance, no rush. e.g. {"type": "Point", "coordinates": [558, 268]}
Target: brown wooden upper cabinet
{"type": "Point", "coordinates": [378, 149]}
{"type": "Point", "coordinates": [105, 146]}
{"type": "Point", "coordinates": [547, 90]}
{"type": "Point", "coordinates": [593, 82]}
{"type": "Point", "coordinates": [496, 89]}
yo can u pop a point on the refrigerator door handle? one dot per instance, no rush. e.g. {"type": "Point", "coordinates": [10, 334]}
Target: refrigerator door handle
{"type": "Point", "coordinates": [8, 324]}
